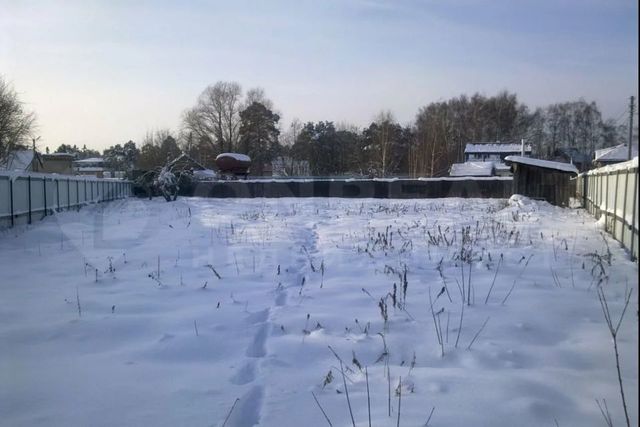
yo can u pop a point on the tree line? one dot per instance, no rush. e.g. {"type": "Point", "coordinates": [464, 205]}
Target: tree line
{"type": "Point", "coordinates": [224, 119]}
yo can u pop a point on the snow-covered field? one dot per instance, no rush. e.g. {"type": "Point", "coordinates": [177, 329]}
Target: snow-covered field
{"type": "Point", "coordinates": [150, 313]}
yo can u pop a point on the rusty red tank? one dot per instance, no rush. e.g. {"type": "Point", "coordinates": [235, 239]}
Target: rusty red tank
{"type": "Point", "coordinates": [233, 163]}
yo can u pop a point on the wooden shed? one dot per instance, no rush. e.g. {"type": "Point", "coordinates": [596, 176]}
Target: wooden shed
{"type": "Point", "coordinates": [543, 179]}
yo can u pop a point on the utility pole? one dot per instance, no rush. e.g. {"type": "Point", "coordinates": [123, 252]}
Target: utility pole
{"type": "Point", "coordinates": [630, 128]}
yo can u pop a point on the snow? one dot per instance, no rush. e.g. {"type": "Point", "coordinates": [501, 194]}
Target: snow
{"type": "Point", "coordinates": [547, 164]}
{"type": "Point", "coordinates": [496, 148]}
{"type": "Point", "coordinates": [90, 160]}
{"type": "Point", "coordinates": [519, 201]}
{"type": "Point", "coordinates": [623, 166]}
{"type": "Point", "coordinates": [204, 175]}
{"type": "Point", "coordinates": [237, 156]}
{"type": "Point", "coordinates": [501, 166]}
{"type": "Point", "coordinates": [161, 340]}
{"type": "Point", "coordinates": [89, 169]}
{"type": "Point", "coordinates": [472, 169]}
{"type": "Point", "coordinates": [15, 174]}
{"type": "Point", "coordinates": [165, 178]}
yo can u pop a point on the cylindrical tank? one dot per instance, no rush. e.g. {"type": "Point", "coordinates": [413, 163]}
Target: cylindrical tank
{"type": "Point", "coordinates": [234, 163]}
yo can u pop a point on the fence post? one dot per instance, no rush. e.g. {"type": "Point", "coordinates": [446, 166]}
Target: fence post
{"type": "Point", "coordinates": [633, 217]}
{"type": "Point", "coordinates": [11, 197]}
{"type": "Point", "coordinates": [77, 194]}
{"type": "Point", "coordinates": [585, 189]}
{"type": "Point", "coordinates": [601, 193]}
{"type": "Point", "coordinates": [29, 195]}
{"type": "Point", "coordinates": [615, 205]}
{"type": "Point", "coordinates": [58, 195]}
{"type": "Point", "coordinates": [44, 191]}
{"type": "Point", "coordinates": [594, 186]}
{"type": "Point", "coordinates": [625, 225]}
{"type": "Point", "coordinates": [606, 202]}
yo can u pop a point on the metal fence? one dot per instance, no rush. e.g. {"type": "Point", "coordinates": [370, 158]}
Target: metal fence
{"type": "Point", "coordinates": [497, 187]}
{"type": "Point", "coordinates": [610, 194]}
{"type": "Point", "coordinates": [28, 197]}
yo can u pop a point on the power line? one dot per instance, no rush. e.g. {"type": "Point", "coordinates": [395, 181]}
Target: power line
{"type": "Point", "coordinates": [622, 116]}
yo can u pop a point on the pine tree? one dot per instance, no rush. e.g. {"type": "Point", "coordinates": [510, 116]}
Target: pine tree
{"type": "Point", "coordinates": [259, 135]}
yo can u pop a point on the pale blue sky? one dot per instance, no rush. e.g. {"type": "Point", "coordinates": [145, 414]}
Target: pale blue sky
{"type": "Point", "coordinates": [104, 72]}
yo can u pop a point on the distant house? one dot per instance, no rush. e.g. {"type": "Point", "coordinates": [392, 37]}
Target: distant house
{"type": "Point", "coordinates": [543, 179]}
{"type": "Point", "coordinates": [93, 166]}
{"type": "Point", "coordinates": [61, 163]}
{"type": "Point", "coordinates": [484, 151]}
{"type": "Point", "coordinates": [23, 160]}
{"type": "Point", "coordinates": [184, 162]}
{"type": "Point", "coordinates": [615, 154]}
{"type": "Point", "coordinates": [287, 166]}
{"type": "Point", "coordinates": [582, 161]}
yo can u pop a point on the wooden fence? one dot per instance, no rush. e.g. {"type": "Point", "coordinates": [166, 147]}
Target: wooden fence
{"type": "Point", "coordinates": [610, 194]}
{"type": "Point", "coordinates": [28, 197]}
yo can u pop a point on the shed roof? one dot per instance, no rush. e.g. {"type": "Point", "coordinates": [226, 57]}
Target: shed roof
{"type": "Point", "coordinates": [545, 164]}
{"type": "Point", "coordinates": [495, 148]}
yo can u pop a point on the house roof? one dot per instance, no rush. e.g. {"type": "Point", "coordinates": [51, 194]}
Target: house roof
{"type": "Point", "coordinates": [471, 169]}
{"type": "Point", "coordinates": [574, 154]}
{"type": "Point", "coordinates": [617, 153]}
{"type": "Point", "coordinates": [185, 156]}
{"type": "Point", "coordinates": [90, 160]}
{"type": "Point", "coordinates": [58, 156]}
{"type": "Point", "coordinates": [19, 160]}
{"type": "Point", "coordinates": [546, 164]}
{"type": "Point", "coordinates": [495, 148]}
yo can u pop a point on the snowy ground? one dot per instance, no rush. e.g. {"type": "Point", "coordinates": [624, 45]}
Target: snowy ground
{"type": "Point", "coordinates": [151, 313]}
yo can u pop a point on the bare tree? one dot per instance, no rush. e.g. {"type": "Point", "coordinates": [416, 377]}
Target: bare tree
{"type": "Point", "coordinates": [16, 125]}
{"type": "Point", "coordinates": [290, 135]}
{"type": "Point", "coordinates": [215, 117]}
{"type": "Point", "coordinates": [383, 140]}
{"type": "Point", "coordinates": [257, 94]}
